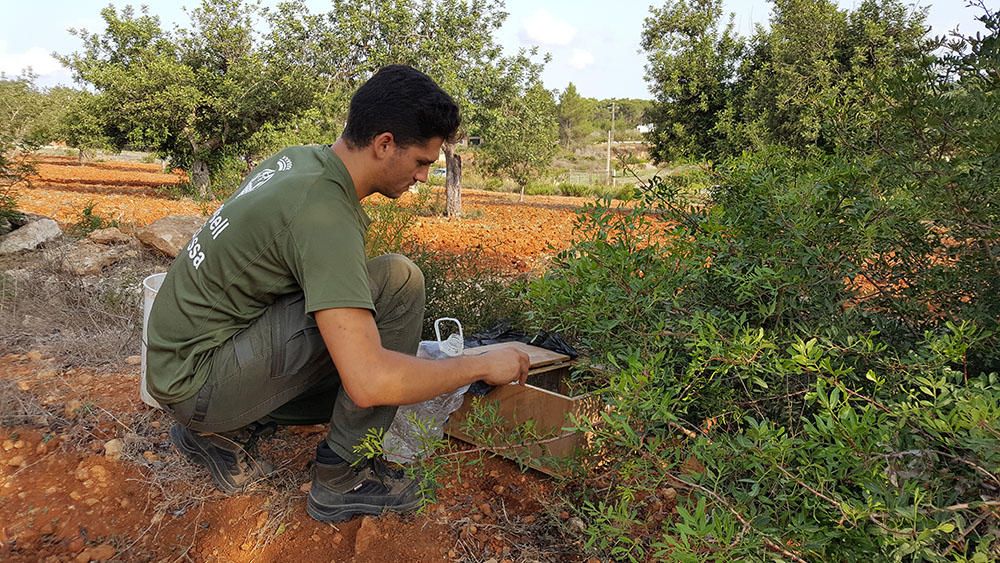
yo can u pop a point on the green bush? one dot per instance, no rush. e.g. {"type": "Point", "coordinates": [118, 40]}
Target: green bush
{"type": "Point", "coordinates": [8, 204]}
{"type": "Point", "coordinates": [542, 188]}
{"type": "Point", "coordinates": [468, 288]}
{"type": "Point", "coordinates": [428, 202]}
{"type": "Point", "coordinates": [838, 431]}
{"type": "Point", "coordinates": [88, 221]}
{"type": "Point", "coordinates": [391, 225]}
{"type": "Point", "coordinates": [810, 358]}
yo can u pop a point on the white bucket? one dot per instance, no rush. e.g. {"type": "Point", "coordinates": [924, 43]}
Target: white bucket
{"type": "Point", "coordinates": [150, 287]}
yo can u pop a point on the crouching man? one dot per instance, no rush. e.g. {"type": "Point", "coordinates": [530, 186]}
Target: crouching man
{"type": "Point", "coordinates": [273, 314]}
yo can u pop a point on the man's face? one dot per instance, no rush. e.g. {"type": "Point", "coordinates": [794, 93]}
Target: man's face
{"type": "Point", "coordinates": [406, 166]}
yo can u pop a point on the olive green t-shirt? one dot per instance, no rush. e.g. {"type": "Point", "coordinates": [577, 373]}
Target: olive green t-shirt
{"type": "Point", "coordinates": [294, 225]}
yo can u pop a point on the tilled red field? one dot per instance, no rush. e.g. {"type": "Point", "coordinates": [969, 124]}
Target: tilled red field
{"type": "Point", "coordinates": [87, 473]}
{"type": "Point", "coordinates": [519, 234]}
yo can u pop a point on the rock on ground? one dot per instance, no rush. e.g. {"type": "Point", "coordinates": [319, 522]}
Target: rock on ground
{"type": "Point", "coordinates": [113, 448]}
{"type": "Point", "coordinates": [88, 258]}
{"type": "Point", "coordinates": [170, 234]}
{"type": "Point", "coordinates": [368, 535]}
{"type": "Point", "coordinates": [30, 236]}
{"type": "Point", "coordinates": [111, 235]}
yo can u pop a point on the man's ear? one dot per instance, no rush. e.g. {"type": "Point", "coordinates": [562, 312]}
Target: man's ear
{"type": "Point", "coordinates": [382, 144]}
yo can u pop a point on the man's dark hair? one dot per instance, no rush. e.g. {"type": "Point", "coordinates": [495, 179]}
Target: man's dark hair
{"type": "Point", "coordinates": [403, 101]}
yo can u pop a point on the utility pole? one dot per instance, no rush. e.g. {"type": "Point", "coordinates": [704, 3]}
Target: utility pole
{"type": "Point", "coordinates": [611, 136]}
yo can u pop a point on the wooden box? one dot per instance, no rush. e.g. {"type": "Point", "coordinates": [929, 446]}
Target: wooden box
{"type": "Point", "coordinates": [531, 418]}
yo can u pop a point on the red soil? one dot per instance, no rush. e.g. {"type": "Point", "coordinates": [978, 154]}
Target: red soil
{"type": "Point", "coordinates": [62, 499]}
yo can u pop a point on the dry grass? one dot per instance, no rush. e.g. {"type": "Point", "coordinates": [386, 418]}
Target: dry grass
{"type": "Point", "coordinates": [544, 539]}
{"type": "Point", "coordinates": [96, 322]}
{"type": "Point", "coordinates": [91, 321]}
{"type": "Point", "coordinates": [19, 408]}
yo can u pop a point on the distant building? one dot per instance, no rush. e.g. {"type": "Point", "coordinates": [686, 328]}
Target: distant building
{"type": "Point", "coordinates": [645, 128]}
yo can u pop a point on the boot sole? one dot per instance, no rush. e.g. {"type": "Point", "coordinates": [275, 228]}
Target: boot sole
{"type": "Point", "coordinates": [195, 453]}
{"type": "Point", "coordinates": [344, 512]}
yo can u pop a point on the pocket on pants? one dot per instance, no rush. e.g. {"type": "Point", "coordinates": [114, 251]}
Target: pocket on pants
{"type": "Point", "coordinates": [251, 348]}
{"type": "Point", "coordinates": [305, 352]}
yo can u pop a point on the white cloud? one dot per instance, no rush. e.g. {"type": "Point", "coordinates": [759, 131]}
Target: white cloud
{"type": "Point", "coordinates": [542, 28]}
{"type": "Point", "coordinates": [581, 59]}
{"type": "Point", "coordinates": [40, 61]}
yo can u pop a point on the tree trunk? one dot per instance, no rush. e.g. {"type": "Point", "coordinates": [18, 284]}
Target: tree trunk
{"type": "Point", "coordinates": [453, 182]}
{"type": "Point", "coordinates": [521, 198]}
{"type": "Point", "coordinates": [200, 178]}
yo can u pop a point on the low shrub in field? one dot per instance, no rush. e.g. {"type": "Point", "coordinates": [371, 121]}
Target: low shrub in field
{"type": "Point", "coordinates": [740, 366]}
{"type": "Point", "coordinates": [466, 287]}
{"type": "Point", "coordinates": [89, 220]}
{"type": "Point", "coordinates": [390, 228]}
{"type": "Point", "coordinates": [463, 286]}
{"type": "Point", "coordinates": [8, 204]}
{"type": "Point", "coordinates": [797, 359]}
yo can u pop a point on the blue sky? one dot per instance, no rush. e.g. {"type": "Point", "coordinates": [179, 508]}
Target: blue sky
{"type": "Point", "coordinates": [593, 43]}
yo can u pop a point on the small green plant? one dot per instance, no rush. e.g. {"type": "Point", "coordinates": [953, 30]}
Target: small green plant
{"type": "Point", "coordinates": [370, 446]}
{"type": "Point", "coordinates": [469, 287]}
{"type": "Point", "coordinates": [89, 221]}
{"type": "Point", "coordinates": [8, 205]}
{"type": "Point", "coordinates": [426, 470]}
{"type": "Point", "coordinates": [428, 202]}
{"type": "Point", "coordinates": [391, 227]}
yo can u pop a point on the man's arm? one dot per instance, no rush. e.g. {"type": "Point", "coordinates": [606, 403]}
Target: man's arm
{"type": "Point", "coordinates": [374, 376]}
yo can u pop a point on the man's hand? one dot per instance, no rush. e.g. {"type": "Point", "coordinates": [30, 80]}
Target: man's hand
{"type": "Point", "coordinates": [373, 376]}
{"type": "Point", "coordinates": [506, 366]}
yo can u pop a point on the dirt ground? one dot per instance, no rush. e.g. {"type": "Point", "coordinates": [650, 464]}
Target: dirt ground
{"type": "Point", "coordinates": [87, 472]}
{"type": "Point", "coordinates": [520, 234]}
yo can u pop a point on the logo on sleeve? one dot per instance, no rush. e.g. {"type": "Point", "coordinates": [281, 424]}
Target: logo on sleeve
{"type": "Point", "coordinates": [262, 177]}
{"type": "Point", "coordinates": [218, 222]}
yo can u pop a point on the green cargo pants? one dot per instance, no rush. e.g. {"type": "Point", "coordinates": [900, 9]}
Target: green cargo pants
{"type": "Point", "coordinates": [279, 366]}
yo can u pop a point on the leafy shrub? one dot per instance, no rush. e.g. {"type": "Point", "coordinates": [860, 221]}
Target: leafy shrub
{"type": "Point", "coordinates": [428, 202]}
{"type": "Point", "coordinates": [821, 427]}
{"type": "Point", "coordinates": [88, 221]}
{"type": "Point", "coordinates": [390, 228]}
{"type": "Point", "coordinates": [542, 188]}
{"type": "Point", "coordinates": [16, 118]}
{"type": "Point", "coordinates": [466, 287]}
{"type": "Point", "coordinates": [570, 189]}
{"type": "Point", "coordinates": [8, 204]}
{"type": "Point", "coordinates": [810, 359]}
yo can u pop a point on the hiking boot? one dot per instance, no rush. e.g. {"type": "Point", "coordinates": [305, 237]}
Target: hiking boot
{"type": "Point", "coordinates": [229, 456]}
{"type": "Point", "coordinates": [341, 491]}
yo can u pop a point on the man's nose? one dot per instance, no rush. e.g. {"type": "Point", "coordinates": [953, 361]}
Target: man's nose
{"type": "Point", "coordinates": [421, 175]}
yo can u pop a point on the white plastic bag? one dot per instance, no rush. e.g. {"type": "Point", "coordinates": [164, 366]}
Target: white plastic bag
{"type": "Point", "coordinates": [416, 427]}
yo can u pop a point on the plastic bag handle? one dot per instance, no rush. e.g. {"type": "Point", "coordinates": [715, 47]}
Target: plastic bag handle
{"type": "Point", "coordinates": [437, 327]}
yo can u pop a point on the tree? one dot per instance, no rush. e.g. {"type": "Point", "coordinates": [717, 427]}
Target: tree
{"type": "Point", "coordinates": [67, 115]}
{"type": "Point", "coordinates": [692, 71]}
{"type": "Point", "coordinates": [20, 101]}
{"type": "Point", "coordinates": [522, 136]}
{"type": "Point", "coordinates": [195, 93]}
{"type": "Point", "coordinates": [453, 41]}
{"type": "Point", "coordinates": [80, 125]}
{"type": "Point", "coordinates": [574, 117]}
{"type": "Point", "coordinates": [815, 72]}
